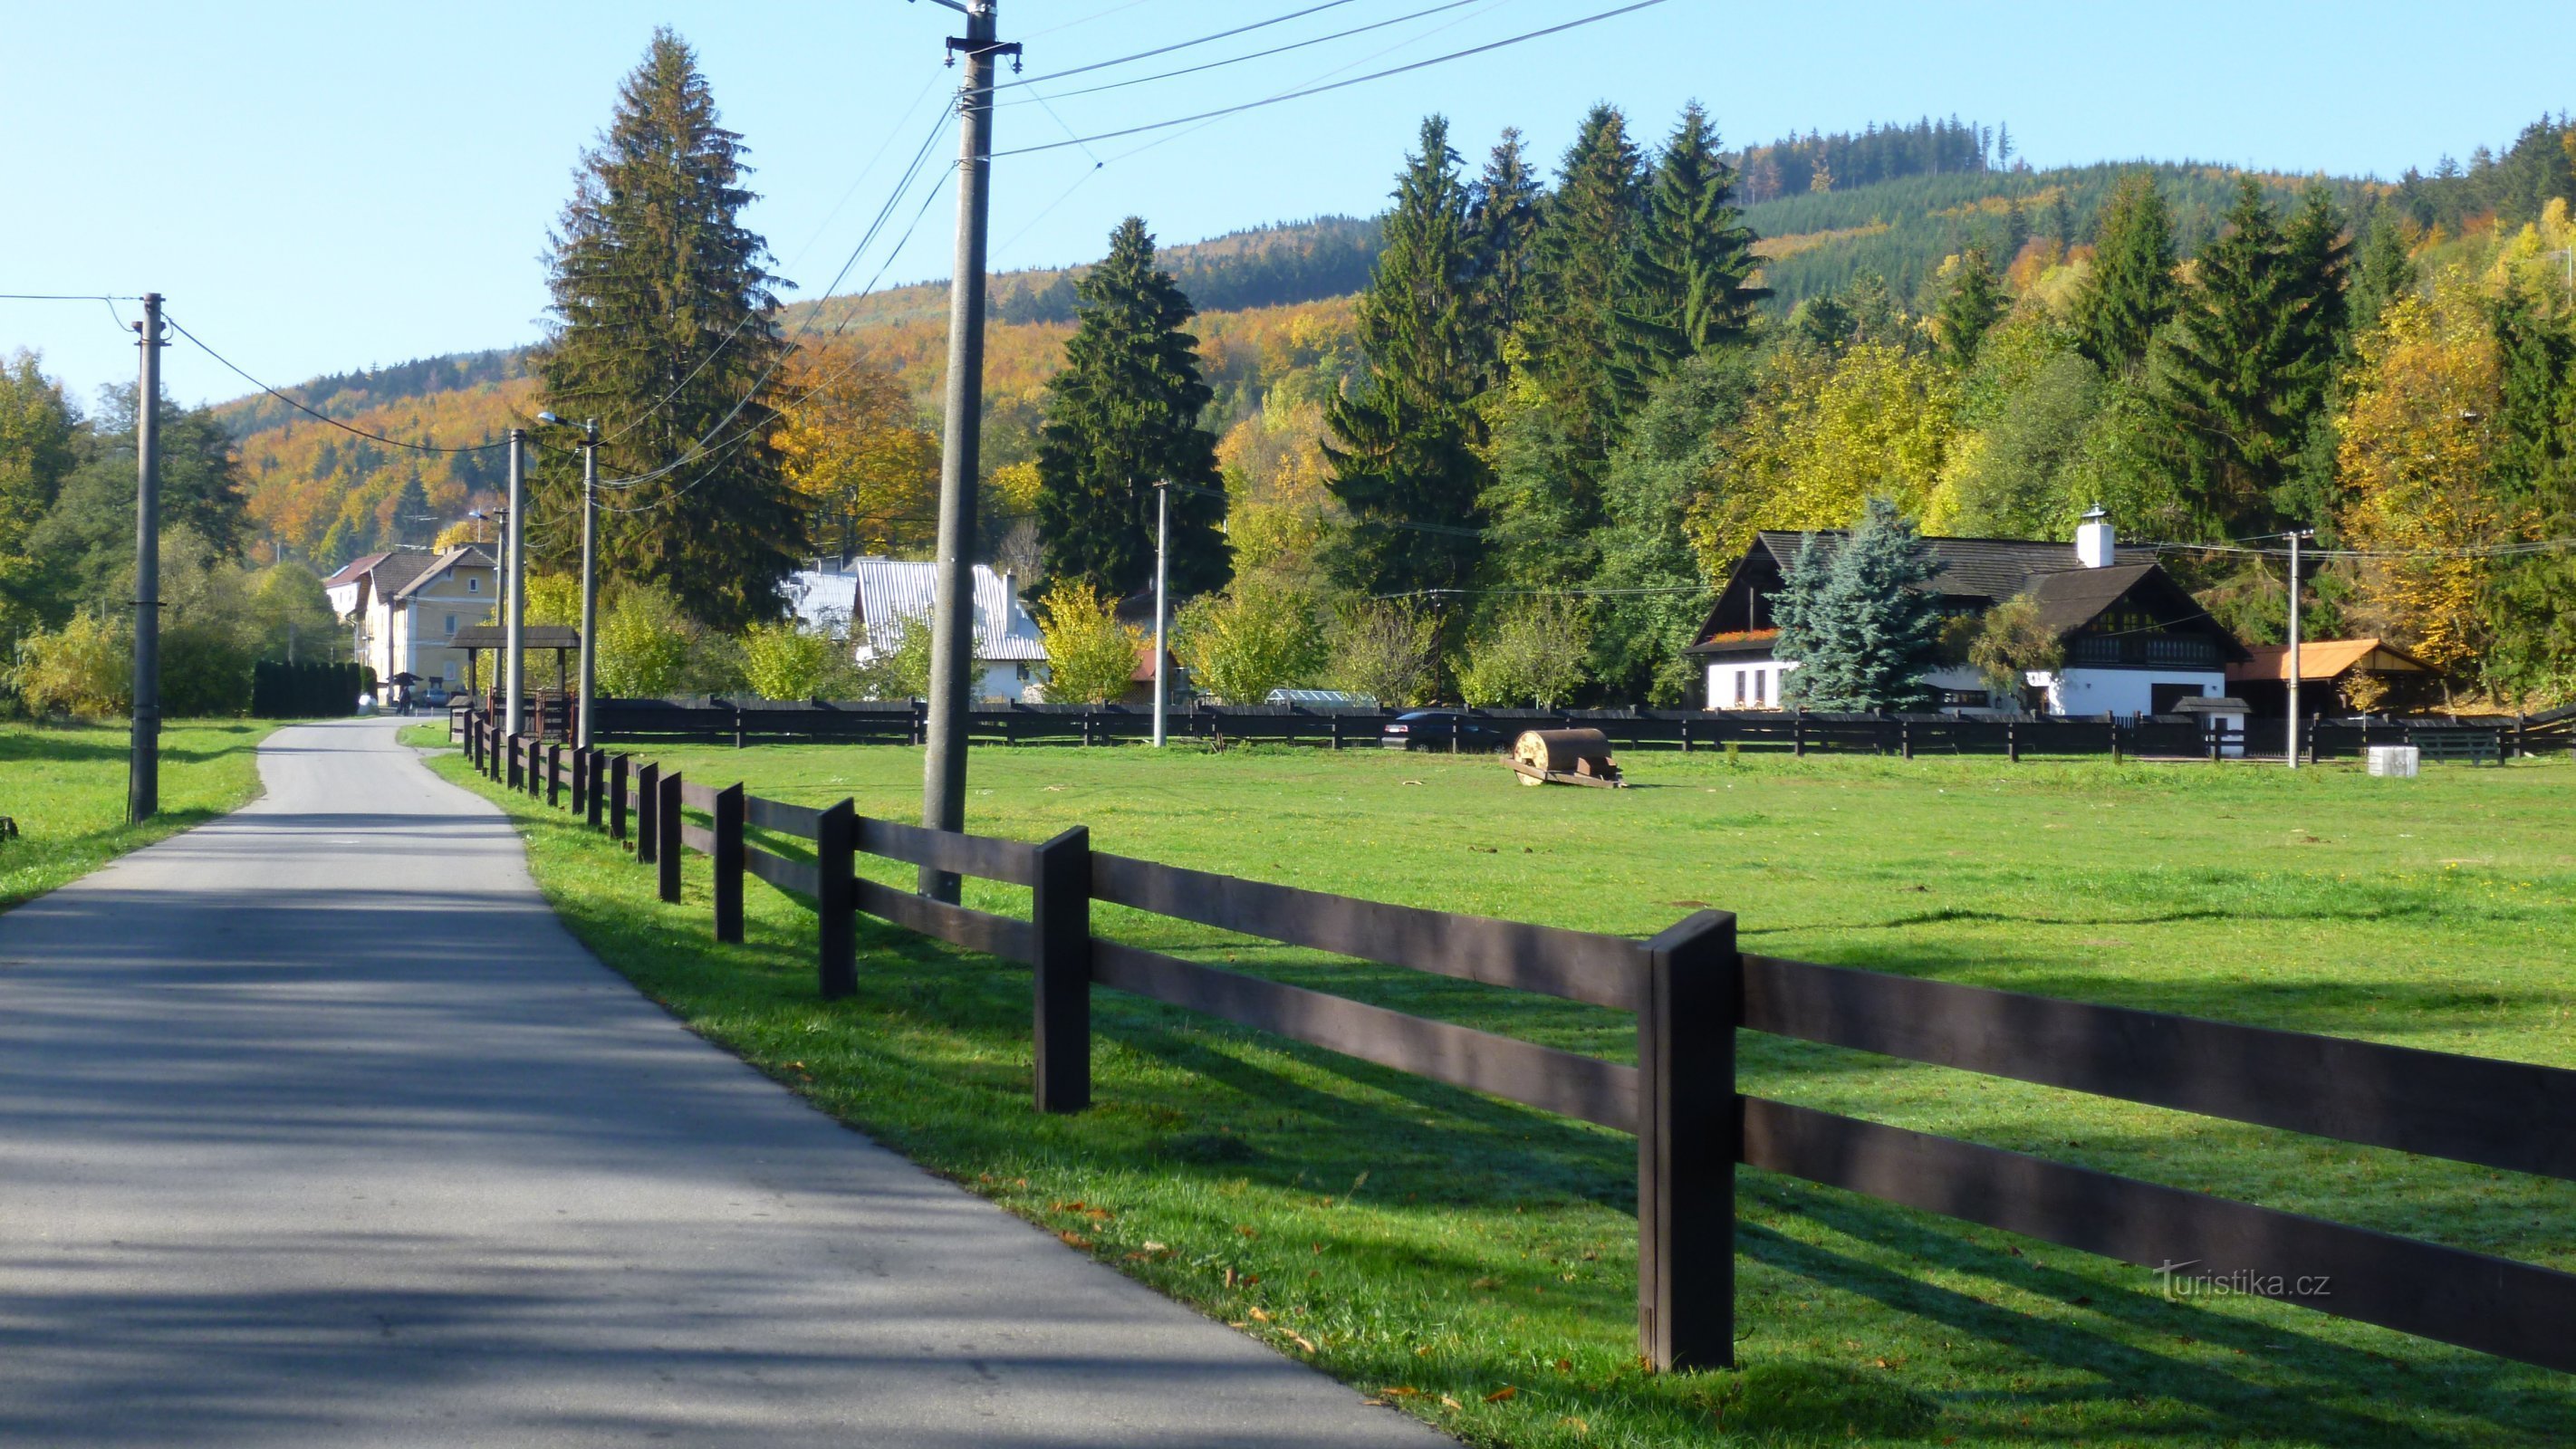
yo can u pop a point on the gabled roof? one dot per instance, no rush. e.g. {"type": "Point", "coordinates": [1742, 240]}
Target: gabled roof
{"type": "Point", "coordinates": [355, 569]}
{"type": "Point", "coordinates": [2069, 601]}
{"type": "Point", "coordinates": [1993, 569]}
{"type": "Point", "coordinates": [531, 636]}
{"type": "Point", "coordinates": [873, 596]}
{"type": "Point", "coordinates": [466, 556]}
{"type": "Point", "coordinates": [395, 571]}
{"type": "Point", "coordinates": [2328, 658]}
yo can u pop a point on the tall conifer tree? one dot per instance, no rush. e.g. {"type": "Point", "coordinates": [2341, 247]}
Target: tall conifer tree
{"type": "Point", "coordinates": [2252, 357]}
{"type": "Point", "coordinates": [665, 332]}
{"type": "Point", "coordinates": [1403, 448]}
{"type": "Point", "coordinates": [1121, 415]}
{"type": "Point", "coordinates": [1580, 276]}
{"type": "Point", "coordinates": [1689, 292]}
{"type": "Point", "coordinates": [1502, 220]}
{"type": "Point", "coordinates": [1971, 305]}
{"type": "Point", "coordinates": [2132, 289]}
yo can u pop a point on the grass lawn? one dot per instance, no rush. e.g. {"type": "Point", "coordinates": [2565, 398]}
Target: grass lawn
{"type": "Point", "coordinates": [1473, 1262]}
{"type": "Point", "coordinates": [65, 784]}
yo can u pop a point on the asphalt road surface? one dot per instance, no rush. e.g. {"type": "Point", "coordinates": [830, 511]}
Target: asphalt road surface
{"type": "Point", "coordinates": [316, 1128]}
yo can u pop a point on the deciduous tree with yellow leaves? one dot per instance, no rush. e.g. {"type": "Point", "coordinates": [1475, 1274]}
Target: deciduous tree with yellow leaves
{"type": "Point", "coordinates": [857, 456]}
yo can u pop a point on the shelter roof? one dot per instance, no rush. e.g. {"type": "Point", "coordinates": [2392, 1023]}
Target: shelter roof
{"type": "Point", "coordinates": [2328, 659]}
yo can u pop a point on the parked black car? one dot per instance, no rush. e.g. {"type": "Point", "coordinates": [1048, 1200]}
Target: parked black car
{"type": "Point", "coordinates": [1441, 729]}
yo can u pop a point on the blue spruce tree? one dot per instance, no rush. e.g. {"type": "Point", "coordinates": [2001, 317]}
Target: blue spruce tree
{"type": "Point", "coordinates": [1865, 632]}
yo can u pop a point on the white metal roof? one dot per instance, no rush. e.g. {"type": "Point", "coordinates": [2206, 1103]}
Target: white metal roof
{"type": "Point", "coordinates": [871, 597]}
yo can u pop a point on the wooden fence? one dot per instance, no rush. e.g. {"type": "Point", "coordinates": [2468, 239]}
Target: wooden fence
{"type": "Point", "coordinates": [749, 722]}
{"type": "Point", "coordinates": [1690, 988]}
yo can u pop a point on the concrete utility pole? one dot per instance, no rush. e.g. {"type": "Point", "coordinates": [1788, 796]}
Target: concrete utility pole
{"type": "Point", "coordinates": [952, 637]}
{"type": "Point", "coordinates": [513, 583]}
{"type": "Point", "coordinates": [1162, 614]}
{"type": "Point", "coordinates": [143, 758]}
{"type": "Point", "coordinates": [2295, 535]}
{"type": "Point", "coordinates": [589, 578]}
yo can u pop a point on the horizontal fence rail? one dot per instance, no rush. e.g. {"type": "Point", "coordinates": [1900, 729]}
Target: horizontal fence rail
{"type": "Point", "coordinates": [1689, 989]}
{"type": "Point", "coordinates": [746, 722]}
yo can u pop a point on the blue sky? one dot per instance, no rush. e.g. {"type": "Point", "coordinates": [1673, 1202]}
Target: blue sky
{"type": "Point", "coordinates": [322, 187]}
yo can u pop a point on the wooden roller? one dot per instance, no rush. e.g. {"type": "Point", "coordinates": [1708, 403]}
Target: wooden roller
{"type": "Point", "coordinates": [1567, 757]}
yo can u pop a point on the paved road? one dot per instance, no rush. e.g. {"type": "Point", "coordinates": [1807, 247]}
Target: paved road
{"type": "Point", "coordinates": [316, 1128]}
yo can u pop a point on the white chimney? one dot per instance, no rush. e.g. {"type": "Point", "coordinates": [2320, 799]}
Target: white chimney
{"type": "Point", "coordinates": [2093, 542]}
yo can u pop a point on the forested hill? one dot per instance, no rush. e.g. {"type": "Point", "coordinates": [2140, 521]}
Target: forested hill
{"type": "Point", "coordinates": [1890, 202]}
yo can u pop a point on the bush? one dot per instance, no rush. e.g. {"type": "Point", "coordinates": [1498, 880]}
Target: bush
{"type": "Point", "coordinates": [1091, 657]}
{"type": "Point", "coordinates": [643, 645]}
{"type": "Point", "coordinates": [786, 661]}
{"type": "Point", "coordinates": [1387, 650]}
{"type": "Point", "coordinates": [898, 666]}
{"type": "Point", "coordinates": [84, 668]}
{"type": "Point", "coordinates": [1252, 639]}
{"type": "Point", "coordinates": [1533, 652]}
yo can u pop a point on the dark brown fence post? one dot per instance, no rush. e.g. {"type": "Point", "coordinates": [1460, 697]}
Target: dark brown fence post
{"type": "Point", "coordinates": [592, 805]}
{"type": "Point", "coordinates": [1688, 1126]}
{"type": "Point", "coordinates": [1798, 735]}
{"type": "Point", "coordinates": [836, 904]}
{"type": "Point", "coordinates": [536, 765]}
{"type": "Point", "coordinates": [617, 775]}
{"type": "Point", "coordinates": [2012, 742]}
{"type": "Point", "coordinates": [728, 857]}
{"type": "Point", "coordinates": [2115, 739]}
{"type": "Point", "coordinates": [737, 726]}
{"type": "Point", "coordinates": [648, 813]}
{"type": "Point", "coordinates": [554, 773]}
{"type": "Point", "coordinates": [666, 846]}
{"type": "Point", "coordinates": [1061, 917]}
{"type": "Point", "coordinates": [1905, 738]}
{"type": "Point", "coordinates": [515, 782]}
{"type": "Point", "coordinates": [581, 782]}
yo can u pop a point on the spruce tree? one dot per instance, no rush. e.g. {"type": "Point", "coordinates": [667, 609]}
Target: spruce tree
{"type": "Point", "coordinates": [2251, 360]}
{"type": "Point", "coordinates": [2132, 289]}
{"type": "Point", "coordinates": [665, 331]}
{"type": "Point", "coordinates": [1502, 219]}
{"type": "Point", "coordinates": [1586, 232]}
{"type": "Point", "coordinates": [1865, 634]}
{"type": "Point", "coordinates": [1403, 454]}
{"type": "Point", "coordinates": [1121, 415]}
{"type": "Point", "coordinates": [1971, 305]}
{"type": "Point", "coordinates": [2381, 274]}
{"type": "Point", "coordinates": [1688, 288]}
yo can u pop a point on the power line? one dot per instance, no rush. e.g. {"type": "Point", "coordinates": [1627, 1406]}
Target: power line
{"type": "Point", "coordinates": [1255, 55]}
{"type": "Point", "coordinates": [1168, 49]}
{"type": "Point", "coordinates": [1333, 86]}
{"type": "Point", "coordinates": [1085, 20]}
{"type": "Point", "coordinates": [323, 416]}
{"type": "Point", "coordinates": [65, 297]}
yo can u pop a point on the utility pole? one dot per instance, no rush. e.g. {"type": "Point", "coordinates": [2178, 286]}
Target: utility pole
{"type": "Point", "coordinates": [513, 583]}
{"type": "Point", "coordinates": [143, 757]}
{"type": "Point", "coordinates": [2296, 534]}
{"type": "Point", "coordinates": [1162, 615]}
{"type": "Point", "coordinates": [589, 578]}
{"type": "Point", "coordinates": [952, 637]}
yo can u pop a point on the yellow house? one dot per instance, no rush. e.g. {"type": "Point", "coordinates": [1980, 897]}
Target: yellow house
{"type": "Point", "coordinates": [404, 608]}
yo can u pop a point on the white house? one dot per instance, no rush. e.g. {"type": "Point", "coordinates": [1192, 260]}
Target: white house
{"type": "Point", "coordinates": [403, 608]}
{"type": "Point", "coordinates": [2135, 642]}
{"type": "Point", "coordinates": [867, 600]}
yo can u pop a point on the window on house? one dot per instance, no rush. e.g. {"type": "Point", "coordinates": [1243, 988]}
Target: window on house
{"type": "Point", "coordinates": [1739, 686]}
{"type": "Point", "coordinates": [451, 626]}
{"type": "Point", "coordinates": [473, 585]}
{"type": "Point", "coordinates": [1758, 685]}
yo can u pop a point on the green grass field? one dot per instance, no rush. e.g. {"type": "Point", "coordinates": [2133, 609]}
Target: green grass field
{"type": "Point", "coordinates": [65, 786]}
{"type": "Point", "coordinates": [1473, 1262]}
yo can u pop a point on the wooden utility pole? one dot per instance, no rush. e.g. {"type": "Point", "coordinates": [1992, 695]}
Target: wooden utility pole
{"type": "Point", "coordinates": [513, 584]}
{"type": "Point", "coordinates": [952, 636]}
{"type": "Point", "coordinates": [143, 760]}
{"type": "Point", "coordinates": [1162, 614]}
{"type": "Point", "coordinates": [2295, 535]}
{"type": "Point", "coordinates": [589, 579]}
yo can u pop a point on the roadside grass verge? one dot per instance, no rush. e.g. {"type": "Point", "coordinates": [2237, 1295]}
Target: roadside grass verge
{"type": "Point", "coordinates": [66, 787]}
{"type": "Point", "coordinates": [1473, 1262]}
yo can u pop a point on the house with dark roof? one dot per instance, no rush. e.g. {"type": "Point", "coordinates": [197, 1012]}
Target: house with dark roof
{"type": "Point", "coordinates": [2135, 642]}
{"type": "Point", "coordinates": [404, 608]}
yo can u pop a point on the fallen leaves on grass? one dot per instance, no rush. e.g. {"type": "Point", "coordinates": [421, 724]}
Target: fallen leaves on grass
{"type": "Point", "coordinates": [1503, 1395]}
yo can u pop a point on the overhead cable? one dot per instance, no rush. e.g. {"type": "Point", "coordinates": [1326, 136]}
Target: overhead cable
{"type": "Point", "coordinates": [1255, 55]}
{"type": "Point", "coordinates": [316, 413]}
{"type": "Point", "coordinates": [1331, 86]}
{"type": "Point", "coordinates": [1176, 45]}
